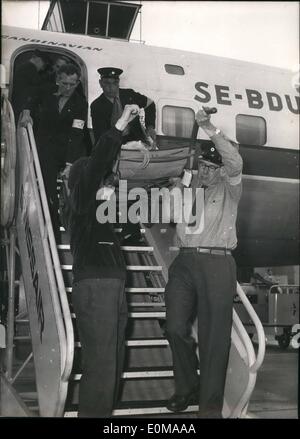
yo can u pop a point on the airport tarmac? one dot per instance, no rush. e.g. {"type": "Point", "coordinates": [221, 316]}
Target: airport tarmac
{"type": "Point", "coordinates": [275, 395]}
{"type": "Point", "coordinates": [276, 391]}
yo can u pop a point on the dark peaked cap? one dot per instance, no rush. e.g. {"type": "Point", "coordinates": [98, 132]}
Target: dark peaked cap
{"type": "Point", "coordinates": [110, 72]}
{"type": "Point", "coordinates": [211, 155]}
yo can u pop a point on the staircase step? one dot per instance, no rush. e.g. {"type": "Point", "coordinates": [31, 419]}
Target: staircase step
{"type": "Point", "coordinates": [139, 343]}
{"type": "Point", "coordinates": [133, 248]}
{"type": "Point", "coordinates": [22, 337]}
{"type": "Point", "coordinates": [146, 304]}
{"type": "Point", "coordinates": [128, 268]}
{"type": "Point", "coordinates": [142, 408]}
{"type": "Point", "coordinates": [144, 290]}
{"type": "Point", "coordinates": [147, 315]}
{"type": "Point", "coordinates": [63, 247]}
{"type": "Point", "coordinates": [150, 411]}
{"type": "Point", "coordinates": [117, 230]}
{"type": "Point", "coordinates": [29, 395]}
{"type": "Point", "coordinates": [147, 342]}
{"type": "Point", "coordinates": [136, 374]}
{"type": "Point", "coordinates": [128, 248]}
{"type": "Point", "coordinates": [133, 290]}
{"type": "Point", "coordinates": [141, 315]}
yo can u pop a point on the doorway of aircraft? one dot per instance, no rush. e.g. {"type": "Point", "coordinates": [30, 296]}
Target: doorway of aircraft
{"type": "Point", "coordinates": [53, 58]}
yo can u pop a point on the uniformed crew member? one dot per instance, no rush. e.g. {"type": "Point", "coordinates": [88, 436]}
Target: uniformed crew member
{"type": "Point", "coordinates": [202, 280]}
{"type": "Point", "coordinates": [107, 108]}
{"type": "Point", "coordinates": [27, 78]}
{"type": "Point", "coordinates": [99, 275]}
{"type": "Point", "coordinates": [59, 134]}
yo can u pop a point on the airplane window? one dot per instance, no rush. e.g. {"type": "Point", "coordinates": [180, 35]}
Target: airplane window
{"type": "Point", "coordinates": [55, 22]}
{"type": "Point", "coordinates": [92, 17]}
{"type": "Point", "coordinates": [173, 69]}
{"type": "Point", "coordinates": [112, 21]}
{"type": "Point", "coordinates": [74, 16]}
{"type": "Point", "coordinates": [251, 130]}
{"type": "Point", "coordinates": [177, 121]}
{"type": "Point", "coordinates": [97, 19]}
{"type": "Point", "coordinates": [121, 18]}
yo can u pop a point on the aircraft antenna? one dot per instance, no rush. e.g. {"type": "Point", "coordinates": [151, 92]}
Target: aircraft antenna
{"type": "Point", "coordinates": [140, 12]}
{"type": "Point", "coordinates": [39, 5]}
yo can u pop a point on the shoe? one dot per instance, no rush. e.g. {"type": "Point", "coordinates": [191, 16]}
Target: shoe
{"type": "Point", "coordinates": [178, 403]}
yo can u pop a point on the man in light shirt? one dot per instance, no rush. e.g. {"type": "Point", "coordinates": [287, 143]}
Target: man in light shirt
{"type": "Point", "coordinates": [202, 280]}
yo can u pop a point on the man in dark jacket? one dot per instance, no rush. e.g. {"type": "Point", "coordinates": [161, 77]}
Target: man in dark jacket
{"type": "Point", "coordinates": [59, 135]}
{"type": "Point", "coordinates": [107, 108]}
{"type": "Point", "coordinates": [99, 276]}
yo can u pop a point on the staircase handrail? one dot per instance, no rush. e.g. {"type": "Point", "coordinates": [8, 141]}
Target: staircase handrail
{"type": "Point", "coordinates": [253, 361]}
{"type": "Point", "coordinates": [61, 291]}
{"type": "Point", "coordinates": [282, 287]}
{"type": "Point", "coordinates": [259, 329]}
{"type": "Point", "coordinates": [254, 317]}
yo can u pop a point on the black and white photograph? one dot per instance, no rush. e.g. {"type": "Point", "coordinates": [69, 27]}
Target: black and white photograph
{"type": "Point", "coordinates": [149, 236]}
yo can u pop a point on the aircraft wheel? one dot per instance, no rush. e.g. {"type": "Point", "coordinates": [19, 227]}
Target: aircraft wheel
{"type": "Point", "coordinates": [284, 339]}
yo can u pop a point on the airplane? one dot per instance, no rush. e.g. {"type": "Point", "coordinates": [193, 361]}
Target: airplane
{"type": "Point", "coordinates": [258, 107]}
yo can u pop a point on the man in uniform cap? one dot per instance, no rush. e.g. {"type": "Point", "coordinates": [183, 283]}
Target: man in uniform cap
{"type": "Point", "coordinates": [110, 72]}
{"type": "Point", "coordinates": [108, 107]}
{"type": "Point", "coordinates": [202, 280]}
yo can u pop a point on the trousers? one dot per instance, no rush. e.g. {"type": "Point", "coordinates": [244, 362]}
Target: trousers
{"type": "Point", "coordinates": [203, 286]}
{"type": "Point", "coordinates": [101, 314]}
{"type": "Point", "coordinates": [50, 167]}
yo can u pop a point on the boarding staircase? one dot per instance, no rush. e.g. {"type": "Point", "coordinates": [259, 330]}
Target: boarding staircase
{"type": "Point", "coordinates": [45, 281]}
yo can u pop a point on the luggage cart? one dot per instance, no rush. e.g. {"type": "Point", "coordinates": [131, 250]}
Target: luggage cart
{"type": "Point", "coordinates": [277, 307]}
{"type": "Point", "coordinates": [283, 311]}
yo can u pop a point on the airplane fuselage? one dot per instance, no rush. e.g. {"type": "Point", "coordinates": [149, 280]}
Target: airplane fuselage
{"type": "Point", "coordinates": [258, 106]}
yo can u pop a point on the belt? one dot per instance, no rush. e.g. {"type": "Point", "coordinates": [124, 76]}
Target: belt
{"type": "Point", "coordinates": [207, 250]}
